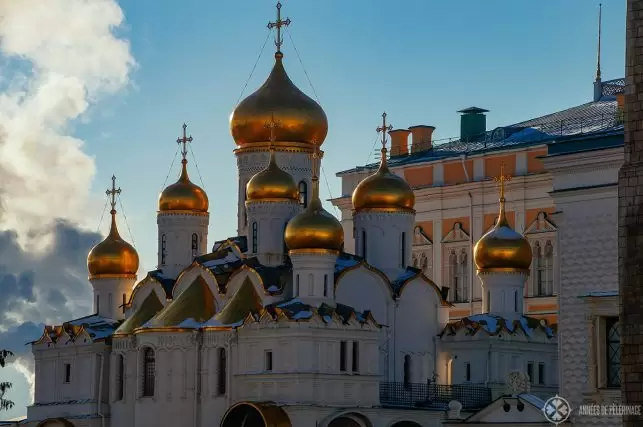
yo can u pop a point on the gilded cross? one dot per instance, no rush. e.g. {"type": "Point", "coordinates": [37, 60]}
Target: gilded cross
{"type": "Point", "coordinates": [272, 125]}
{"type": "Point", "coordinates": [316, 155]}
{"type": "Point", "coordinates": [384, 128]}
{"type": "Point", "coordinates": [113, 192]}
{"type": "Point", "coordinates": [279, 23]}
{"type": "Point", "coordinates": [501, 180]}
{"type": "Point", "coordinates": [184, 140]}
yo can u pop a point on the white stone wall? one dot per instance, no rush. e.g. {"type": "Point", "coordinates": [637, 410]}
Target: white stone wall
{"type": "Point", "coordinates": [314, 277]}
{"type": "Point", "coordinates": [271, 218]}
{"type": "Point", "coordinates": [79, 396]}
{"type": "Point", "coordinates": [110, 295]}
{"type": "Point", "coordinates": [175, 239]}
{"type": "Point", "coordinates": [296, 163]}
{"type": "Point", "coordinates": [588, 245]}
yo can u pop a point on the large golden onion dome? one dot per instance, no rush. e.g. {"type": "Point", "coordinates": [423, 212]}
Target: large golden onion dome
{"type": "Point", "coordinates": [383, 189]}
{"type": "Point", "coordinates": [502, 248]}
{"type": "Point", "coordinates": [113, 256]}
{"type": "Point", "coordinates": [314, 228]}
{"type": "Point", "coordinates": [183, 195]}
{"type": "Point", "coordinates": [302, 119]}
{"type": "Point", "coordinates": [272, 183]}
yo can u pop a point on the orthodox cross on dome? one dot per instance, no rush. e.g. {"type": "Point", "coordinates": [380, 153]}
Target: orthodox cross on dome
{"type": "Point", "coordinates": [272, 125]}
{"type": "Point", "coordinates": [112, 193]}
{"type": "Point", "coordinates": [501, 180]}
{"type": "Point", "coordinates": [184, 140]}
{"type": "Point", "coordinates": [279, 23]}
{"type": "Point", "coordinates": [383, 129]}
{"type": "Point", "coordinates": [316, 156]}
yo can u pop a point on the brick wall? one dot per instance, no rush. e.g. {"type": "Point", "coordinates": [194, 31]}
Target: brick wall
{"type": "Point", "coordinates": [631, 217]}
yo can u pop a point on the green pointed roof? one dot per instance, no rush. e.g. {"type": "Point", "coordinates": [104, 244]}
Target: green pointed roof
{"type": "Point", "coordinates": [196, 302]}
{"type": "Point", "coordinates": [150, 306]}
{"type": "Point", "coordinates": [244, 301]}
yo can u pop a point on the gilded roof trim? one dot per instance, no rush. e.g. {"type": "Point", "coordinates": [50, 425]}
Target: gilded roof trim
{"type": "Point", "coordinates": [187, 269]}
{"type": "Point", "coordinates": [369, 267]}
{"type": "Point", "coordinates": [140, 285]}
{"type": "Point", "coordinates": [430, 282]}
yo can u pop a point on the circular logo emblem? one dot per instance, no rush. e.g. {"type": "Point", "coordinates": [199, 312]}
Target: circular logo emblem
{"type": "Point", "coordinates": [557, 410]}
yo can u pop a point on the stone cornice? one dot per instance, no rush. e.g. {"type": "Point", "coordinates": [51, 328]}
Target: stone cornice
{"type": "Point", "coordinates": [587, 160]}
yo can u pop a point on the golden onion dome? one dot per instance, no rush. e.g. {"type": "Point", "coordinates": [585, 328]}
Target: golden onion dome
{"type": "Point", "coordinates": [383, 190]}
{"type": "Point", "coordinates": [502, 248]}
{"type": "Point", "coordinates": [272, 183]}
{"type": "Point", "coordinates": [302, 119]}
{"type": "Point", "coordinates": [183, 195]}
{"type": "Point", "coordinates": [314, 228]}
{"type": "Point", "coordinates": [113, 256]}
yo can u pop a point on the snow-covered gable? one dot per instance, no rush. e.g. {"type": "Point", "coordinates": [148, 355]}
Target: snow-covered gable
{"type": "Point", "coordinates": [494, 325]}
{"type": "Point", "coordinates": [83, 330]}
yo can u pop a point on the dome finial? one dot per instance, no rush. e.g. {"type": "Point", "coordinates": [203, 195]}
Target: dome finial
{"type": "Point", "coordinates": [112, 193]}
{"type": "Point", "coordinates": [184, 153]}
{"type": "Point", "coordinates": [384, 129]}
{"type": "Point", "coordinates": [502, 218]}
{"type": "Point", "coordinates": [279, 40]}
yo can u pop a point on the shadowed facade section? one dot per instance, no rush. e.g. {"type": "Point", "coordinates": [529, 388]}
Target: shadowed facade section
{"type": "Point", "coordinates": [630, 227]}
{"type": "Point", "coordinates": [196, 302]}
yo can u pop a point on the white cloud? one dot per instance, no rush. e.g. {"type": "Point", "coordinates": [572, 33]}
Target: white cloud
{"type": "Point", "coordinates": [58, 58]}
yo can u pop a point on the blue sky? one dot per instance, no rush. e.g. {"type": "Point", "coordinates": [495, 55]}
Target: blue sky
{"type": "Point", "coordinates": [419, 60]}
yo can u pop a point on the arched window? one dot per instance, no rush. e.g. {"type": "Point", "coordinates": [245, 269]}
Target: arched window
{"type": "Point", "coordinates": [463, 271]}
{"type": "Point", "coordinates": [544, 260]}
{"type": "Point", "coordinates": [124, 302]}
{"type": "Point", "coordinates": [195, 245]}
{"type": "Point", "coordinates": [424, 262]}
{"type": "Point", "coordinates": [311, 285]}
{"type": "Point", "coordinates": [284, 238]}
{"type": "Point", "coordinates": [458, 274]}
{"type": "Point", "coordinates": [403, 251]}
{"type": "Point", "coordinates": [163, 248]}
{"type": "Point", "coordinates": [364, 244]}
{"type": "Point", "coordinates": [516, 301]}
{"type": "Point", "coordinates": [414, 259]}
{"type": "Point", "coordinates": [149, 372]}
{"type": "Point", "coordinates": [110, 303]}
{"type": "Point", "coordinates": [303, 194]}
{"type": "Point", "coordinates": [97, 303]}
{"type": "Point", "coordinates": [120, 377]}
{"type": "Point", "coordinates": [297, 286]}
{"type": "Point", "coordinates": [255, 236]}
{"type": "Point", "coordinates": [549, 268]}
{"type": "Point", "coordinates": [221, 381]}
{"type": "Point", "coordinates": [245, 213]}
{"type": "Point", "coordinates": [407, 371]}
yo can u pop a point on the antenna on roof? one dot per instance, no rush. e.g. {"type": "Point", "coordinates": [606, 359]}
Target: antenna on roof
{"type": "Point", "coordinates": [598, 86]}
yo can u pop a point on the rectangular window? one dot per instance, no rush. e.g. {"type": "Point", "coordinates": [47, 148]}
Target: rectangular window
{"type": "Point", "coordinates": [255, 237]}
{"type": "Point", "coordinates": [269, 360]}
{"type": "Point", "coordinates": [530, 371]}
{"type": "Point", "coordinates": [355, 356]}
{"type": "Point", "coordinates": [124, 302]}
{"type": "Point", "coordinates": [364, 244]}
{"type": "Point", "coordinates": [467, 374]}
{"type": "Point", "coordinates": [342, 356]}
{"type": "Point", "coordinates": [221, 386]}
{"type": "Point", "coordinates": [120, 391]}
{"type": "Point", "coordinates": [67, 373]}
{"type": "Point", "coordinates": [325, 285]}
{"type": "Point", "coordinates": [403, 251]}
{"type": "Point", "coordinates": [613, 349]}
{"type": "Point", "coordinates": [541, 373]}
{"type": "Point", "coordinates": [97, 303]}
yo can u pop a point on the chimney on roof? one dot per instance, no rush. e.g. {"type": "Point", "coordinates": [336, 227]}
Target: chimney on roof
{"type": "Point", "coordinates": [421, 138]}
{"type": "Point", "coordinates": [399, 142]}
{"type": "Point", "coordinates": [473, 124]}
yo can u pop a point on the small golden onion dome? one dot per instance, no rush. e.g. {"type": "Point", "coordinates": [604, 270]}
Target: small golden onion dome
{"type": "Point", "coordinates": [183, 195]}
{"type": "Point", "coordinates": [113, 256]}
{"type": "Point", "coordinates": [383, 189]}
{"type": "Point", "coordinates": [302, 119]}
{"type": "Point", "coordinates": [502, 248]}
{"type": "Point", "coordinates": [314, 228]}
{"type": "Point", "coordinates": [272, 183]}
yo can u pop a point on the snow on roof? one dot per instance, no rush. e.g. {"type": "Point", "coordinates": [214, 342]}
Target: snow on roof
{"type": "Point", "coordinates": [493, 324]}
{"type": "Point", "coordinates": [534, 400]}
{"type": "Point", "coordinates": [599, 294]}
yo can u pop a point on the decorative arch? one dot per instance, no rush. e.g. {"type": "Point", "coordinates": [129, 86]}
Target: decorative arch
{"type": "Point", "coordinates": [347, 419]}
{"type": "Point", "coordinates": [255, 414]}
{"type": "Point", "coordinates": [144, 288]}
{"type": "Point", "coordinates": [55, 422]}
{"type": "Point", "coordinates": [405, 423]}
{"type": "Point", "coordinates": [236, 279]}
{"type": "Point", "coordinates": [429, 282]}
{"type": "Point", "coordinates": [187, 276]}
{"type": "Point", "coordinates": [370, 268]}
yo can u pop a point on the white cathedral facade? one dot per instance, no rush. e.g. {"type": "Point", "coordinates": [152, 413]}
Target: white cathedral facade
{"type": "Point", "coordinates": [279, 326]}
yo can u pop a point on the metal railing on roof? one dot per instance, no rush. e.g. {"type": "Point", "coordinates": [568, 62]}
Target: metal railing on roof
{"type": "Point", "coordinates": [533, 131]}
{"type": "Point", "coordinates": [433, 396]}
